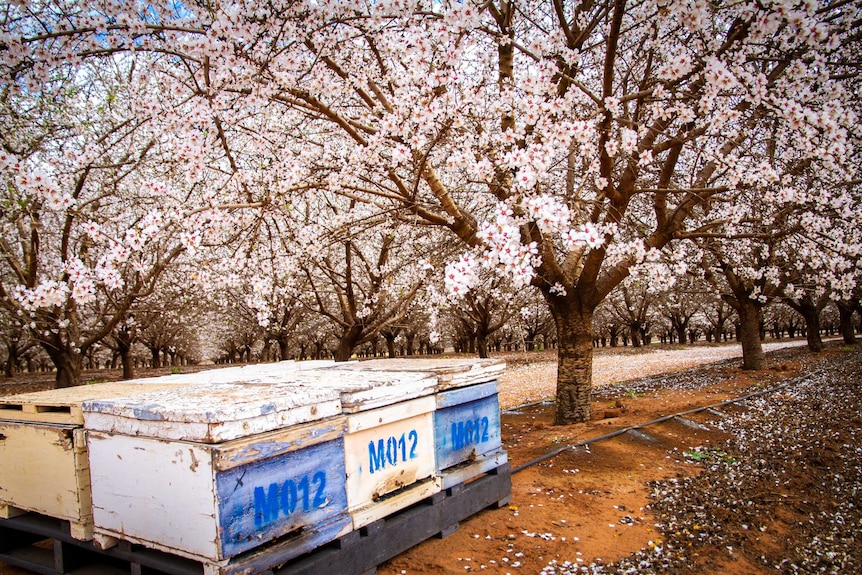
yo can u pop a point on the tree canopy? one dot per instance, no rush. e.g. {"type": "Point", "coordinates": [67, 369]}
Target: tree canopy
{"type": "Point", "coordinates": [561, 144]}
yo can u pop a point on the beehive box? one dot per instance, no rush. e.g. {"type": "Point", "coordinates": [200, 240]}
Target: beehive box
{"type": "Point", "coordinates": [43, 458]}
{"type": "Point", "coordinates": [389, 445]}
{"type": "Point", "coordinates": [389, 456]}
{"type": "Point", "coordinates": [466, 412]}
{"type": "Point", "coordinates": [218, 469]}
{"type": "Point", "coordinates": [467, 433]}
{"type": "Point", "coordinates": [389, 450]}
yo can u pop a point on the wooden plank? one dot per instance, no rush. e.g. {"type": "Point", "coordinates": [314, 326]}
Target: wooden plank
{"type": "Point", "coordinates": [373, 418]}
{"type": "Point", "coordinates": [469, 470]}
{"type": "Point", "coordinates": [278, 442]}
{"type": "Point", "coordinates": [281, 551]}
{"type": "Point", "coordinates": [393, 503]}
{"type": "Point", "coordinates": [64, 405]}
{"type": "Point", "coordinates": [363, 390]}
{"type": "Point", "coordinates": [464, 431]}
{"type": "Point", "coordinates": [386, 458]}
{"type": "Point", "coordinates": [44, 468]}
{"type": "Point", "coordinates": [8, 511]}
{"type": "Point", "coordinates": [212, 413]}
{"type": "Point", "coordinates": [461, 395]}
{"type": "Point", "coordinates": [449, 372]}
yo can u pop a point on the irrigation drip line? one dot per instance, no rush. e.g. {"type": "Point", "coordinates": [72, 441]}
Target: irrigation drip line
{"type": "Point", "coordinates": [585, 442]}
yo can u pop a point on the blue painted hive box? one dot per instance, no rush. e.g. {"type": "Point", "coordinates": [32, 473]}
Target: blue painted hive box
{"type": "Point", "coordinates": [466, 424]}
{"type": "Point", "coordinates": [218, 470]}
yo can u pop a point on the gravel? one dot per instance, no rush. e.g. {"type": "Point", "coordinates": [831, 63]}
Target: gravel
{"type": "Point", "coordinates": [784, 494]}
{"type": "Point", "coordinates": [532, 382]}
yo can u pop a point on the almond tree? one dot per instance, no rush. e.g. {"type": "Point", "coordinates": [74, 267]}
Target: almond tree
{"type": "Point", "coordinates": [561, 142]}
{"type": "Point", "coordinates": [85, 232]}
{"type": "Point", "coordinates": [486, 308]}
{"type": "Point", "coordinates": [364, 286]}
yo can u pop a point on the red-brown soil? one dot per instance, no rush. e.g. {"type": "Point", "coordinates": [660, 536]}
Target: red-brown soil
{"type": "Point", "coordinates": [589, 506]}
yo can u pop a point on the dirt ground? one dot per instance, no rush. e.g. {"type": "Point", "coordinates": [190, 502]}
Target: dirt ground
{"type": "Point", "coordinates": [589, 507]}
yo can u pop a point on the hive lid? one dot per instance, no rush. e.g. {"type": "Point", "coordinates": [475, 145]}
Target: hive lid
{"type": "Point", "coordinates": [212, 412]}
{"type": "Point", "coordinates": [270, 372]}
{"type": "Point", "coordinates": [361, 390]}
{"type": "Point", "coordinates": [449, 372]}
{"type": "Point", "coordinates": [64, 405]}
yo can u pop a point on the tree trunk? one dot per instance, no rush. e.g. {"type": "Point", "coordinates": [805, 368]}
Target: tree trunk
{"type": "Point", "coordinates": [482, 346]}
{"type": "Point", "coordinates": [575, 362]}
{"type": "Point", "coordinates": [126, 360]}
{"type": "Point", "coordinates": [69, 367]}
{"type": "Point", "coordinates": [390, 344]}
{"type": "Point", "coordinates": [750, 315]}
{"type": "Point", "coordinates": [635, 332]}
{"type": "Point", "coordinates": [347, 343]}
{"type": "Point", "coordinates": [812, 323]}
{"type": "Point", "coordinates": [410, 338]}
{"type": "Point", "coordinates": [848, 331]}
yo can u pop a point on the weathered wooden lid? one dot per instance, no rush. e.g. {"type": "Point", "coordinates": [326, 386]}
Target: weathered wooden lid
{"type": "Point", "coordinates": [64, 405]}
{"type": "Point", "coordinates": [362, 390]}
{"type": "Point", "coordinates": [449, 372]}
{"type": "Point", "coordinates": [212, 412]}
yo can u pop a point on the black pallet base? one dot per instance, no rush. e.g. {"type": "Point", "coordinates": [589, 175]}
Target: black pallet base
{"type": "Point", "coordinates": [43, 544]}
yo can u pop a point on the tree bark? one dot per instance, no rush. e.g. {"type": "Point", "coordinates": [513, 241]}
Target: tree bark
{"type": "Point", "coordinates": [69, 367]}
{"type": "Point", "coordinates": [390, 343]}
{"type": "Point", "coordinates": [848, 331]}
{"type": "Point", "coordinates": [635, 334]}
{"type": "Point", "coordinates": [812, 324]}
{"type": "Point", "coordinates": [750, 314]}
{"type": "Point", "coordinates": [125, 337]}
{"type": "Point", "coordinates": [284, 347]}
{"type": "Point", "coordinates": [347, 343]}
{"type": "Point", "coordinates": [126, 360]}
{"type": "Point", "coordinates": [482, 346]}
{"type": "Point", "coordinates": [575, 362]}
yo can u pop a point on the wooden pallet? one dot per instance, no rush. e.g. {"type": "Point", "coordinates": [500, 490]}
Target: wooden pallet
{"type": "Point", "coordinates": [44, 545]}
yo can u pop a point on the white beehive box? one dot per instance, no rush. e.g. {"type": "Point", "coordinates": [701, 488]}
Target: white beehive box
{"type": "Point", "coordinates": [212, 502]}
{"type": "Point", "coordinates": [393, 453]}
{"type": "Point", "coordinates": [43, 456]}
{"type": "Point", "coordinates": [389, 446]}
{"type": "Point", "coordinates": [466, 413]}
{"type": "Point", "coordinates": [389, 457]}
